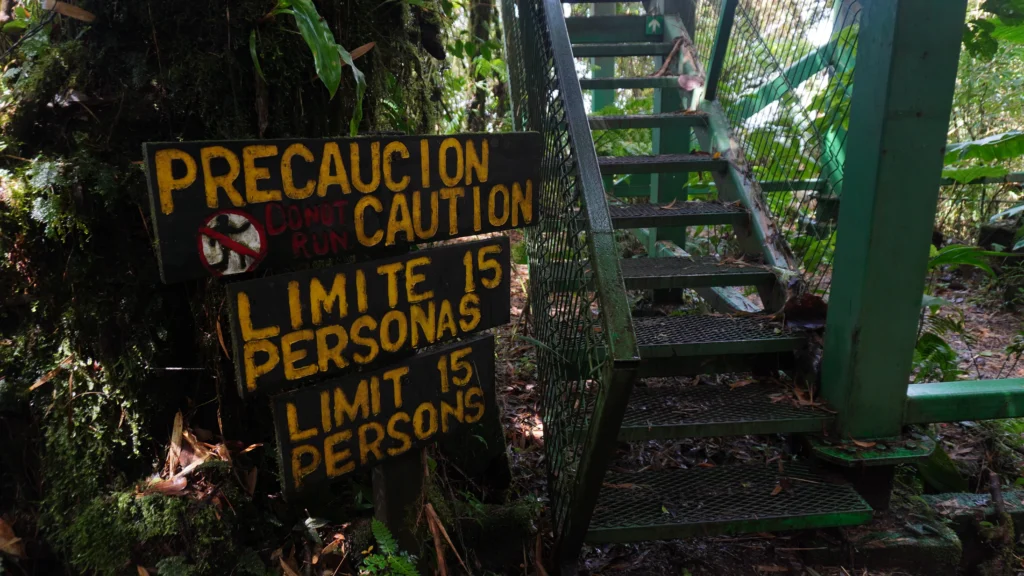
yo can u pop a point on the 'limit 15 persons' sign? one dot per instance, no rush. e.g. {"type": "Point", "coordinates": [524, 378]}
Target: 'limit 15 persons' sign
{"type": "Point", "coordinates": [363, 361]}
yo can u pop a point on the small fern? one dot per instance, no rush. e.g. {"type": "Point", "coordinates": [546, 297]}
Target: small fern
{"type": "Point", "coordinates": [388, 559]}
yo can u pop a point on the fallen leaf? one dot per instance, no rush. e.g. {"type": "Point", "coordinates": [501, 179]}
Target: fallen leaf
{"type": "Point", "coordinates": [9, 543]}
{"type": "Point", "coordinates": [49, 375]}
{"type": "Point", "coordinates": [740, 384]}
{"type": "Point", "coordinates": [360, 51]}
{"type": "Point", "coordinates": [624, 486]}
{"type": "Point", "coordinates": [777, 490]}
{"type": "Point", "coordinates": [705, 465]}
{"type": "Point", "coordinates": [670, 205]}
{"type": "Point", "coordinates": [716, 155]}
{"type": "Point", "coordinates": [172, 487]}
{"type": "Point", "coordinates": [863, 444]}
{"type": "Point", "coordinates": [288, 567]}
{"type": "Point", "coordinates": [220, 338]}
{"type": "Point", "coordinates": [772, 568]}
{"type": "Point", "coordinates": [175, 450]}
{"type": "Point", "coordinates": [142, 571]}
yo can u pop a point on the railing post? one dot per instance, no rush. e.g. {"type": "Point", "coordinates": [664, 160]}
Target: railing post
{"type": "Point", "coordinates": [903, 88]}
{"type": "Point", "coordinates": [720, 48]}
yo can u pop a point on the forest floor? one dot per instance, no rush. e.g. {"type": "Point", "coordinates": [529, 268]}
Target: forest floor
{"type": "Point", "coordinates": [970, 445]}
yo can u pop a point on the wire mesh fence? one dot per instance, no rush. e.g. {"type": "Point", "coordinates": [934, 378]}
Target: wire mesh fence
{"type": "Point", "coordinates": [567, 314]}
{"type": "Point", "coordinates": [786, 88]}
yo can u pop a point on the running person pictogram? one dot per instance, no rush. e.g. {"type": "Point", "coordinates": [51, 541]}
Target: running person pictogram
{"type": "Point", "coordinates": [231, 242]}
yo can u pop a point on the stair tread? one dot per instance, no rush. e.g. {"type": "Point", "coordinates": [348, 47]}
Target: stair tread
{"type": "Point", "coordinates": [702, 410]}
{"type": "Point", "coordinates": [641, 268]}
{"type": "Point", "coordinates": [612, 122]}
{"type": "Point", "coordinates": [630, 82]}
{"type": "Point", "coordinates": [597, 49]}
{"type": "Point", "coordinates": [693, 213]}
{"type": "Point", "coordinates": [660, 163]}
{"type": "Point", "coordinates": [708, 335]}
{"type": "Point", "coordinates": [673, 503]}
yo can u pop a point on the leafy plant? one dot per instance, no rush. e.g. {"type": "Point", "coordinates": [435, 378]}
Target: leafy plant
{"type": "Point", "coordinates": [960, 255]}
{"type": "Point", "coordinates": [934, 358]}
{"type": "Point", "coordinates": [329, 57]}
{"type": "Point", "coordinates": [387, 560]}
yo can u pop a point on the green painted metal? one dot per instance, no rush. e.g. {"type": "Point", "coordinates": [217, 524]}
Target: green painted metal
{"type": "Point", "coordinates": [795, 75]}
{"type": "Point", "coordinates": [965, 400]}
{"type": "Point", "coordinates": [670, 185]}
{"type": "Point", "coordinates": [678, 214]}
{"type": "Point", "coordinates": [703, 335]}
{"type": "Point", "coordinates": [907, 56]}
{"type": "Point", "coordinates": [672, 503]}
{"type": "Point", "coordinates": [634, 186]}
{"type": "Point", "coordinates": [721, 46]}
{"type": "Point", "coordinates": [660, 164]}
{"type": "Point", "coordinates": [684, 272]}
{"type": "Point", "coordinates": [791, 185]}
{"type": "Point", "coordinates": [629, 83]}
{"type": "Point", "coordinates": [903, 449]}
{"type": "Point", "coordinates": [667, 120]}
{"type": "Point", "coordinates": [709, 410]}
{"type": "Point", "coordinates": [606, 29]}
{"type": "Point", "coordinates": [604, 67]}
{"type": "Point", "coordinates": [625, 49]}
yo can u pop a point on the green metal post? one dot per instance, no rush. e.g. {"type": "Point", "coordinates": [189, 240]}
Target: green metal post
{"type": "Point", "coordinates": [720, 48]}
{"type": "Point", "coordinates": [603, 67]}
{"type": "Point", "coordinates": [903, 89]}
{"type": "Point", "coordinates": [669, 186]}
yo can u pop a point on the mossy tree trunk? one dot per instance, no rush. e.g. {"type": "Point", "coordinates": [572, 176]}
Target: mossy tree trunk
{"type": "Point", "coordinates": [78, 281]}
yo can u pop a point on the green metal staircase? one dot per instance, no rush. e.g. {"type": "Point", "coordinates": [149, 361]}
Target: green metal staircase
{"type": "Point", "coordinates": [596, 355]}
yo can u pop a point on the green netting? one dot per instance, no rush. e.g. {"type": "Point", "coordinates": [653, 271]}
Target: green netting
{"type": "Point", "coordinates": [566, 315]}
{"type": "Point", "coordinates": [786, 88]}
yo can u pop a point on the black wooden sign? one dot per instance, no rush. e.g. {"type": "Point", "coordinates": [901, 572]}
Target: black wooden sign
{"type": "Point", "coordinates": [292, 327]}
{"type": "Point", "coordinates": [231, 207]}
{"type": "Point", "coordinates": [334, 428]}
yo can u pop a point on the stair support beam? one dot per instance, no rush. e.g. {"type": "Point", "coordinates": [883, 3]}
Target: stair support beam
{"type": "Point", "coordinates": [720, 48]}
{"type": "Point", "coordinates": [903, 90]}
{"type": "Point", "coordinates": [964, 400]}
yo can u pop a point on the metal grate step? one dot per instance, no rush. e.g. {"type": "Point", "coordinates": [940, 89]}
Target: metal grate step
{"type": "Point", "coordinates": [629, 83]}
{"type": "Point", "coordinates": [661, 163]}
{"type": "Point", "coordinates": [677, 214]}
{"type": "Point", "coordinates": [703, 410]}
{"type": "Point", "coordinates": [622, 49]}
{"type": "Point", "coordinates": [706, 335]}
{"type": "Point", "coordinates": [669, 504]}
{"type": "Point", "coordinates": [660, 273]}
{"type": "Point", "coordinates": [609, 29]}
{"type": "Point", "coordinates": [666, 120]}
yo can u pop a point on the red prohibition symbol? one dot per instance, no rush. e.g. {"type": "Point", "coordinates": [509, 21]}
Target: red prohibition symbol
{"type": "Point", "coordinates": [231, 242]}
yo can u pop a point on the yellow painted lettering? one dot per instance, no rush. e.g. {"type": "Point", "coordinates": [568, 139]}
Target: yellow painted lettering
{"type": "Point", "coordinates": [321, 301]}
{"type": "Point", "coordinates": [448, 411]}
{"type": "Point", "coordinates": [483, 263]}
{"type": "Point", "coordinates": [254, 370]}
{"type": "Point", "coordinates": [417, 216]}
{"type": "Point", "coordinates": [391, 271]}
{"type": "Point", "coordinates": [396, 318]}
{"type": "Point", "coordinates": [334, 457]}
{"type": "Point", "coordinates": [360, 218]}
{"type": "Point", "coordinates": [395, 434]}
{"type": "Point", "coordinates": [399, 220]}
{"type": "Point", "coordinates": [422, 322]}
{"type": "Point", "coordinates": [522, 204]}
{"type": "Point", "coordinates": [442, 162]}
{"type": "Point", "coordinates": [226, 181]}
{"type": "Point", "coordinates": [412, 279]}
{"type": "Point", "coordinates": [294, 305]}
{"type": "Point", "coordinates": [452, 195]}
{"type": "Point", "coordinates": [395, 377]}
{"type": "Point", "coordinates": [332, 171]}
{"type": "Point", "coordinates": [474, 401]}
{"type": "Point", "coordinates": [389, 157]}
{"type": "Point", "coordinates": [424, 421]}
{"type": "Point", "coordinates": [325, 410]}
{"type": "Point", "coordinates": [476, 163]}
{"type": "Point", "coordinates": [325, 354]}
{"type": "Point", "coordinates": [493, 203]}
{"type": "Point", "coordinates": [166, 183]}
{"type": "Point", "coordinates": [287, 176]}
{"type": "Point", "coordinates": [300, 471]}
{"type": "Point", "coordinates": [361, 297]}
{"type": "Point", "coordinates": [469, 308]}
{"type": "Point", "coordinates": [245, 322]}
{"type": "Point", "coordinates": [291, 356]}
{"type": "Point", "coordinates": [357, 338]}
{"type": "Point", "coordinates": [371, 186]}
{"type": "Point", "coordinates": [254, 173]}
{"type": "Point", "coordinates": [367, 447]}
{"type": "Point", "coordinates": [358, 407]}
{"type": "Point", "coordinates": [446, 321]}
{"type": "Point", "coordinates": [295, 434]}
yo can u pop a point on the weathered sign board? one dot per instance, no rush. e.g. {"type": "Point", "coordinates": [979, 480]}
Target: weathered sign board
{"type": "Point", "coordinates": [291, 327]}
{"type": "Point", "coordinates": [331, 429]}
{"type": "Point", "coordinates": [222, 208]}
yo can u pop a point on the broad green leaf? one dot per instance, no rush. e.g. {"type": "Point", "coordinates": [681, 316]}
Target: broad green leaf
{"type": "Point", "coordinates": [1008, 213]}
{"type": "Point", "coordinates": [972, 173]}
{"type": "Point", "coordinates": [1018, 246]}
{"type": "Point", "coordinates": [959, 255]}
{"type": "Point", "coordinates": [933, 302]}
{"type": "Point", "coordinates": [318, 37]}
{"type": "Point", "coordinates": [357, 110]}
{"type": "Point", "coordinates": [255, 57]}
{"type": "Point", "coordinates": [996, 147]}
{"type": "Point", "coordinates": [1011, 34]}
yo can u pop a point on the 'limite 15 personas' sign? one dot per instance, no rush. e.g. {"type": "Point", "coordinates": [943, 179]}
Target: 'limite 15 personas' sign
{"type": "Point", "coordinates": [222, 208]}
{"type": "Point", "coordinates": [289, 328]}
